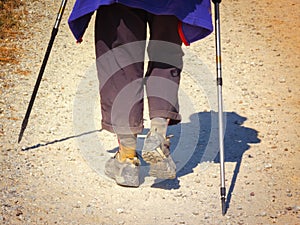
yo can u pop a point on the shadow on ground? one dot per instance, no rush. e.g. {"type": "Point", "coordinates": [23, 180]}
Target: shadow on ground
{"type": "Point", "coordinates": [198, 145]}
{"type": "Point", "coordinates": [237, 140]}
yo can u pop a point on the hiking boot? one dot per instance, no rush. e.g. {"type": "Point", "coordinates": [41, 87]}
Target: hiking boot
{"type": "Point", "coordinates": [156, 152]}
{"type": "Point", "coordinates": [125, 172]}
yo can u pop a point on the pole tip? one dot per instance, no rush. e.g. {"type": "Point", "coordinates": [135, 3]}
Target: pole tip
{"type": "Point", "coordinates": [20, 135]}
{"type": "Point", "coordinates": [223, 206]}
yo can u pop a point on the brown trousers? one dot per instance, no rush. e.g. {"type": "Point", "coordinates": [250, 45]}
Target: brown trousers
{"type": "Point", "coordinates": [120, 41]}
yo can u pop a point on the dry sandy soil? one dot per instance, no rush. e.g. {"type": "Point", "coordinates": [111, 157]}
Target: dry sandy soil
{"type": "Point", "coordinates": [55, 175]}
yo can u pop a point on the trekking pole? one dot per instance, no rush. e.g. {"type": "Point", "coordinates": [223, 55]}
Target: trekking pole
{"type": "Point", "coordinates": [42, 69]}
{"type": "Point", "coordinates": [220, 103]}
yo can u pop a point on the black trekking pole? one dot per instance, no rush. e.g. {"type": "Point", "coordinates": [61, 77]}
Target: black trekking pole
{"type": "Point", "coordinates": [42, 69]}
{"type": "Point", "coordinates": [220, 103]}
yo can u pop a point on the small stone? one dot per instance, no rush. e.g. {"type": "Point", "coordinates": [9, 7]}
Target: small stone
{"type": "Point", "coordinates": [263, 214]}
{"type": "Point", "coordinates": [268, 166]}
{"type": "Point", "coordinates": [195, 213]}
{"type": "Point", "coordinates": [77, 205]}
{"type": "Point", "coordinates": [120, 210]}
{"type": "Point", "coordinates": [296, 208]}
{"type": "Point", "coordinates": [178, 195]}
{"type": "Point", "coordinates": [238, 122]}
{"type": "Point", "coordinates": [252, 194]}
{"type": "Point", "coordinates": [283, 212]}
{"type": "Point", "coordinates": [197, 180]}
{"type": "Point", "coordinates": [19, 212]}
{"type": "Point", "coordinates": [247, 182]}
{"type": "Point", "coordinates": [282, 80]}
{"type": "Point", "coordinates": [289, 194]}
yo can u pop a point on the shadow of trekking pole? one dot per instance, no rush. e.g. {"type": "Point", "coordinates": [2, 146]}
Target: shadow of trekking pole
{"type": "Point", "coordinates": [237, 140]}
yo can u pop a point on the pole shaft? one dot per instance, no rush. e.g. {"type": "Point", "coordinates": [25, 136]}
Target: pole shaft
{"type": "Point", "coordinates": [42, 69]}
{"type": "Point", "coordinates": [220, 103]}
{"type": "Point", "coordinates": [219, 84]}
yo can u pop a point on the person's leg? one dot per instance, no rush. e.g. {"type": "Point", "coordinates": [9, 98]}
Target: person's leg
{"type": "Point", "coordinates": [164, 68]}
{"type": "Point", "coordinates": [120, 34]}
{"type": "Point", "coordinates": [163, 78]}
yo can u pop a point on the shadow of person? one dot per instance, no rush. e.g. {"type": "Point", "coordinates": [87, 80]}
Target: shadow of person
{"type": "Point", "coordinates": [236, 142]}
{"type": "Point", "coordinates": [192, 148]}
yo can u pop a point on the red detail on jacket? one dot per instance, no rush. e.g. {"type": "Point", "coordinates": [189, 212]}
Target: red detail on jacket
{"type": "Point", "coordinates": [181, 34]}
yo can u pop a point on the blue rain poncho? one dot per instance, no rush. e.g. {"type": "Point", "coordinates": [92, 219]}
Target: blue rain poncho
{"type": "Point", "coordinates": [194, 15]}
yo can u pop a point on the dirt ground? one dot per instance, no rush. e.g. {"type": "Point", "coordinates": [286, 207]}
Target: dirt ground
{"type": "Point", "coordinates": [55, 175]}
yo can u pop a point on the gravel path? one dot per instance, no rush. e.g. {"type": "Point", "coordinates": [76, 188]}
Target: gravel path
{"type": "Point", "coordinates": [55, 175]}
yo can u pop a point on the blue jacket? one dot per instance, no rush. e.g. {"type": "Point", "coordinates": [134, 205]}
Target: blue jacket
{"type": "Point", "coordinates": [194, 15]}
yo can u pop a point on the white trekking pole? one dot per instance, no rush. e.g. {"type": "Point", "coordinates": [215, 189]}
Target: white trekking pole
{"type": "Point", "coordinates": [220, 104]}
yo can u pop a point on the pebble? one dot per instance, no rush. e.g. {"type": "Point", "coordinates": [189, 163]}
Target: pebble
{"type": "Point", "coordinates": [247, 182]}
{"type": "Point", "coordinates": [120, 210]}
{"type": "Point", "coordinates": [214, 176]}
{"type": "Point", "coordinates": [282, 212]}
{"type": "Point", "coordinates": [296, 208]}
{"type": "Point", "coordinates": [263, 214]}
{"type": "Point", "coordinates": [197, 180]}
{"type": "Point", "coordinates": [77, 205]}
{"type": "Point", "coordinates": [282, 80]}
{"type": "Point", "coordinates": [19, 212]}
{"type": "Point", "coordinates": [268, 166]}
{"type": "Point", "coordinates": [179, 194]}
{"type": "Point", "coordinates": [195, 213]}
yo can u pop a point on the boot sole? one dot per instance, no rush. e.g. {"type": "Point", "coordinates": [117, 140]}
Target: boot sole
{"type": "Point", "coordinates": [160, 166]}
{"type": "Point", "coordinates": [129, 176]}
{"type": "Point", "coordinates": [128, 181]}
{"type": "Point", "coordinates": [161, 174]}
{"type": "Point", "coordinates": [152, 156]}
